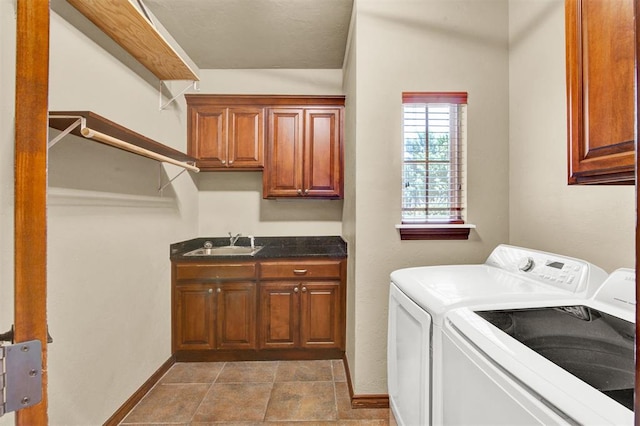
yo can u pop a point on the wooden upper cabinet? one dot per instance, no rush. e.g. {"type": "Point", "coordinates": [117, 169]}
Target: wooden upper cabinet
{"type": "Point", "coordinates": [226, 138]}
{"type": "Point", "coordinates": [304, 153]}
{"type": "Point", "coordinates": [600, 37]}
{"type": "Point", "coordinates": [297, 140]}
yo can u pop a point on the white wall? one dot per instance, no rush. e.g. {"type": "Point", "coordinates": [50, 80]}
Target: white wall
{"type": "Point", "coordinates": [7, 116]}
{"type": "Point", "coordinates": [232, 201]}
{"type": "Point", "coordinates": [109, 235]}
{"type": "Point", "coordinates": [411, 45]}
{"type": "Point", "coordinates": [350, 197]}
{"type": "Point", "coordinates": [595, 223]}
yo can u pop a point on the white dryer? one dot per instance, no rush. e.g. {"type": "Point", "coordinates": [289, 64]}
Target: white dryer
{"type": "Point", "coordinates": [553, 362]}
{"type": "Point", "coordinates": [420, 297]}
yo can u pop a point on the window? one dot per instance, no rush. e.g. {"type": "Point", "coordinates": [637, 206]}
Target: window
{"type": "Point", "coordinates": [433, 179]}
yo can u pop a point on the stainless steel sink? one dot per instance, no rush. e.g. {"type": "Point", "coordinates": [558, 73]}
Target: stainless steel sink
{"type": "Point", "coordinates": [225, 251]}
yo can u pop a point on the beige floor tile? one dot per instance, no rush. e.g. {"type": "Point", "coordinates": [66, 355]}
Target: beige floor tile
{"type": "Point", "coordinates": [304, 371]}
{"type": "Point", "coordinates": [302, 401]}
{"type": "Point", "coordinates": [168, 403]}
{"type": "Point", "coordinates": [339, 374]}
{"type": "Point", "coordinates": [193, 372]}
{"type": "Point", "coordinates": [234, 402]}
{"type": "Point", "coordinates": [248, 372]}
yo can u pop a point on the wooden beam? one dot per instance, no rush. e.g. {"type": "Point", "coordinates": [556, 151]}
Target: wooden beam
{"type": "Point", "coordinates": [636, 404]}
{"type": "Point", "coordinates": [31, 127]}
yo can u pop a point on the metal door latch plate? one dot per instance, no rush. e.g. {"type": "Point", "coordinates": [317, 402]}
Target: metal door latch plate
{"type": "Point", "coordinates": [20, 376]}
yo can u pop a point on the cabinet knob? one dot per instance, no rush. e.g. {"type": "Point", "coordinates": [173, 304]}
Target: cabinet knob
{"type": "Point", "coordinates": [299, 191]}
{"type": "Point", "coordinates": [224, 161]}
{"type": "Point", "coordinates": [304, 289]}
{"type": "Point", "coordinates": [230, 161]}
{"type": "Point", "coordinates": [210, 290]}
{"type": "Point", "coordinates": [296, 289]}
{"type": "Point", "coordinates": [306, 191]}
{"type": "Point", "coordinates": [218, 290]}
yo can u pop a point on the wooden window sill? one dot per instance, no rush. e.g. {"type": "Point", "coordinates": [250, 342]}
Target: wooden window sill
{"type": "Point", "coordinates": [435, 232]}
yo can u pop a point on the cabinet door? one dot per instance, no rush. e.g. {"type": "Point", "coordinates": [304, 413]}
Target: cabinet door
{"type": "Point", "coordinates": [279, 315]}
{"type": "Point", "coordinates": [323, 153]}
{"type": "Point", "coordinates": [207, 139]}
{"type": "Point", "coordinates": [236, 316]}
{"type": "Point", "coordinates": [283, 173]}
{"type": "Point", "coordinates": [601, 47]}
{"type": "Point", "coordinates": [320, 315]}
{"type": "Point", "coordinates": [246, 138]}
{"type": "Point", "coordinates": [193, 327]}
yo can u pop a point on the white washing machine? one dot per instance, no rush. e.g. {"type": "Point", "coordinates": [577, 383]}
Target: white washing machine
{"type": "Point", "coordinates": [420, 297]}
{"type": "Point", "coordinates": [556, 362]}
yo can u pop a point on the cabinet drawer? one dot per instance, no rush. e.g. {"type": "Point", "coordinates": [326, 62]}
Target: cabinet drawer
{"type": "Point", "coordinates": [209, 271]}
{"type": "Point", "coordinates": [297, 270]}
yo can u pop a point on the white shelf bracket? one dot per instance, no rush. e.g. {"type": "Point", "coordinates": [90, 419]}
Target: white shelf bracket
{"type": "Point", "coordinates": [194, 84]}
{"type": "Point", "coordinates": [162, 186]}
{"type": "Point", "coordinates": [65, 132]}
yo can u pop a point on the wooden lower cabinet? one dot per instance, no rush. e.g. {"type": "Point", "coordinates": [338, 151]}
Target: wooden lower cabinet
{"type": "Point", "coordinates": [193, 317]}
{"type": "Point", "coordinates": [320, 315]}
{"type": "Point", "coordinates": [263, 310]}
{"type": "Point", "coordinates": [300, 315]}
{"type": "Point", "coordinates": [236, 316]}
{"type": "Point", "coordinates": [215, 316]}
{"type": "Point", "coordinates": [280, 318]}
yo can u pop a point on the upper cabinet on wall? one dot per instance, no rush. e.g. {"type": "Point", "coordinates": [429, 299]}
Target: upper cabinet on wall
{"type": "Point", "coordinates": [301, 138]}
{"type": "Point", "coordinates": [304, 153]}
{"type": "Point", "coordinates": [225, 133]}
{"type": "Point", "coordinates": [600, 37]}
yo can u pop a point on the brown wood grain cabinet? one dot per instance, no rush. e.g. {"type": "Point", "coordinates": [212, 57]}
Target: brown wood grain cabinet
{"type": "Point", "coordinates": [296, 140]}
{"type": "Point", "coordinates": [600, 48]}
{"type": "Point", "coordinates": [226, 138]}
{"type": "Point", "coordinates": [214, 306]}
{"type": "Point", "coordinates": [266, 309]}
{"type": "Point", "coordinates": [304, 153]}
{"type": "Point", "coordinates": [302, 306]}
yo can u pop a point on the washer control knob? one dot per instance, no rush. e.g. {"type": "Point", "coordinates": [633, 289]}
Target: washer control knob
{"type": "Point", "coordinates": [526, 264]}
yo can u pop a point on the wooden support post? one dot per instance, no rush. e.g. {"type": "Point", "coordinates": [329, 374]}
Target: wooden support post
{"type": "Point", "coordinates": [31, 121]}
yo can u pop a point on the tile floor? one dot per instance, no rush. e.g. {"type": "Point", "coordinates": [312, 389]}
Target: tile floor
{"type": "Point", "coordinates": [309, 393]}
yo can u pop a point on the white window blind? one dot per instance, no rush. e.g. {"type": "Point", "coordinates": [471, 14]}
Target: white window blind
{"type": "Point", "coordinates": [433, 182]}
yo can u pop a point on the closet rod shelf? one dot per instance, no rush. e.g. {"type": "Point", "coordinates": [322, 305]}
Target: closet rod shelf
{"type": "Point", "coordinates": [98, 128]}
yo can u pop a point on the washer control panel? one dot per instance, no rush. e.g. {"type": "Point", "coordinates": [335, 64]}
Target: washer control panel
{"type": "Point", "coordinates": [565, 273]}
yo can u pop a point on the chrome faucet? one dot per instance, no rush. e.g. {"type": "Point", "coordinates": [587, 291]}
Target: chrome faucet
{"type": "Point", "coordinates": [232, 239]}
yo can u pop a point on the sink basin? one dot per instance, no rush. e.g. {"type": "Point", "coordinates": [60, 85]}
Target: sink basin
{"type": "Point", "coordinates": [225, 251]}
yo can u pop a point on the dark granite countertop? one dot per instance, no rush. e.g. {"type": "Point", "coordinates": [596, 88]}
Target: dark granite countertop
{"type": "Point", "coordinates": [273, 248]}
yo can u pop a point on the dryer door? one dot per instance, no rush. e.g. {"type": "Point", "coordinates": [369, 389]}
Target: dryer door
{"type": "Point", "coordinates": [408, 360]}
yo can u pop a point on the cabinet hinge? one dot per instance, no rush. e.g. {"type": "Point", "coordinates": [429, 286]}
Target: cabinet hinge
{"type": "Point", "coordinates": [20, 376]}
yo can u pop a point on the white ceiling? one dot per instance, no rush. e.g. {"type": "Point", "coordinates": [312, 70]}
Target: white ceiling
{"type": "Point", "coordinates": [245, 34]}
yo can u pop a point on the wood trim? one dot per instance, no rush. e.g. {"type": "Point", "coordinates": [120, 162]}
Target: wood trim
{"type": "Point", "coordinates": [434, 97]}
{"type": "Point", "coordinates": [30, 208]}
{"type": "Point", "coordinates": [363, 401]}
{"type": "Point", "coordinates": [258, 355]}
{"type": "Point", "coordinates": [452, 233]}
{"type": "Point", "coordinates": [637, 134]}
{"type": "Point", "coordinates": [264, 100]}
{"type": "Point", "coordinates": [137, 396]}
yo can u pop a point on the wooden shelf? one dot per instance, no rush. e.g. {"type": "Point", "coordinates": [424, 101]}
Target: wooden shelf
{"type": "Point", "coordinates": [126, 25]}
{"type": "Point", "coordinates": [61, 120]}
